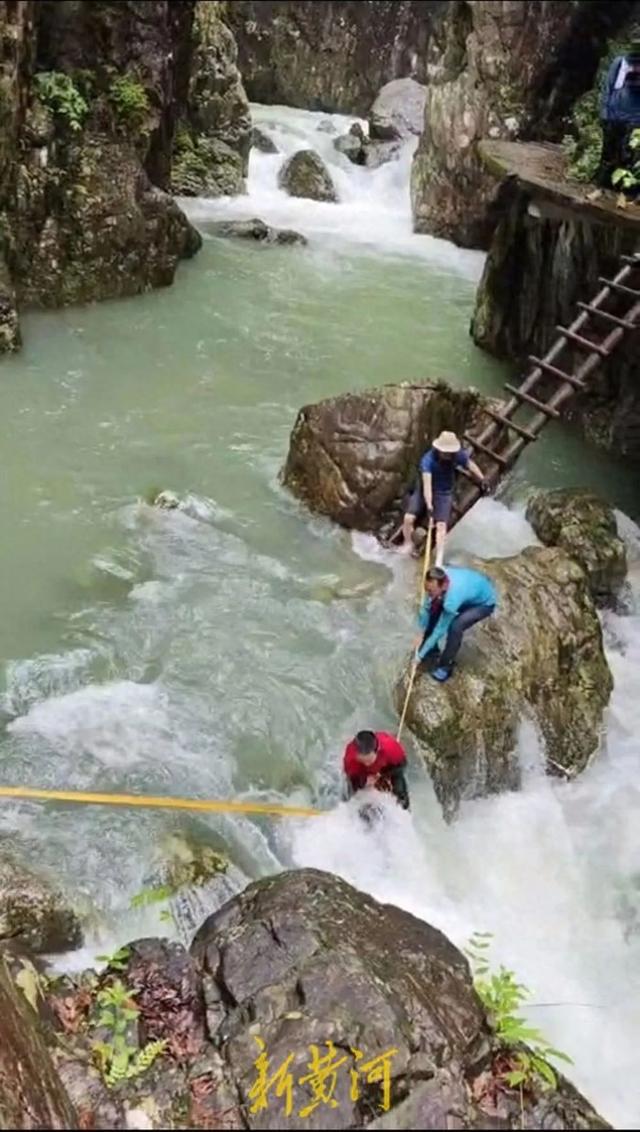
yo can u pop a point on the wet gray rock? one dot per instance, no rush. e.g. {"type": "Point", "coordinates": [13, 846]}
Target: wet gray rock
{"type": "Point", "coordinates": [398, 111]}
{"type": "Point", "coordinates": [541, 656]}
{"type": "Point", "coordinates": [306, 175]}
{"type": "Point", "coordinates": [353, 144]}
{"type": "Point", "coordinates": [257, 230]}
{"type": "Point", "coordinates": [296, 960]}
{"type": "Point", "coordinates": [352, 457]}
{"type": "Point", "coordinates": [585, 526]}
{"type": "Point", "coordinates": [34, 913]}
{"type": "Point", "coordinates": [261, 140]}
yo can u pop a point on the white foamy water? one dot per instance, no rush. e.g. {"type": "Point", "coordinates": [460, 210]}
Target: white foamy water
{"type": "Point", "coordinates": [373, 208]}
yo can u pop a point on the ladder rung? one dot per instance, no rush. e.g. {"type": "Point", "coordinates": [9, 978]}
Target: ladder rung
{"type": "Point", "coordinates": [540, 363]}
{"type": "Point", "coordinates": [632, 260]}
{"type": "Point", "coordinates": [539, 405]}
{"type": "Point", "coordinates": [613, 318]}
{"type": "Point", "coordinates": [487, 451]}
{"type": "Point", "coordinates": [584, 343]}
{"type": "Point", "coordinates": [624, 290]}
{"type": "Point", "coordinates": [499, 419]}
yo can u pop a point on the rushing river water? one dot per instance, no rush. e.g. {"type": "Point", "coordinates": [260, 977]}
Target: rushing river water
{"type": "Point", "coordinates": [232, 649]}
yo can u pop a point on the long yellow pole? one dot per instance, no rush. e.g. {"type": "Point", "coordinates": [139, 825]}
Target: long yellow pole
{"type": "Point", "coordinates": [414, 668]}
{"type": "Point", "coordinates": [203, 805]}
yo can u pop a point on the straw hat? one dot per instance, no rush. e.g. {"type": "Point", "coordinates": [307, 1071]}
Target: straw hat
{"type": "Point", "coordinates": [447, 442]}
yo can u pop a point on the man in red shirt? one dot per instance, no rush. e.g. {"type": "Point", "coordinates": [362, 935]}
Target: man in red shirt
{"type": "Point", "coordinates": [375, 758]}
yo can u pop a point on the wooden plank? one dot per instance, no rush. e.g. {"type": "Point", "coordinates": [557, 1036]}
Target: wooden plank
{"type": "Point", "coordinates": [612, 318]}
{"type": "Point", "coordinates": [539, 405]}
{"type": "Point", "coordinates": [583, 343]}
{"type": "Point", "coordinates": [508, 423]}
{"type": "Point", "coordinates": [560, 374]}
{"type": "Point", "coordinates": [487, 451]}
{"type": "Point", "coordinates": [621, 287]}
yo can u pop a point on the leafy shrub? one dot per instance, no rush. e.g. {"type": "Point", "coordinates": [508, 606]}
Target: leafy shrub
{"type": "Point", "coordinates": [61, 95]}
{"type": "Point", "coordinates": [629, 178]}
{"type": "Point", "coordinates": [129, 99]}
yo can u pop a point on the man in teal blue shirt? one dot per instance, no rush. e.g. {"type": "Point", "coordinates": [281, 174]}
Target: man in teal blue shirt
{"type": "Point", "coordinates": [454, 600]}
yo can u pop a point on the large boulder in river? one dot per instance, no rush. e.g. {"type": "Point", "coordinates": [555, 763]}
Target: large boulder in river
{"type": "Point", "coordinates": [398, 111]}
{"type": "Point", "coordinates": [295, 961]}
{"type": "Point", "coordinates": [585, 526]}
{"type": "Point", "coordinates": [352, 457]}
{"type": "Point", "coordinates": [541, 656]}
{"type": "Point", "coordinates": [306, 175]}
{"type": "Point", "coordinates": [33, 912]}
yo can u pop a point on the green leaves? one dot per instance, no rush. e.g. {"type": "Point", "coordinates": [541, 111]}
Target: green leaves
{"type": "Point", "coordinates": [117, 1059]}
{"type": "Point", "coordinates": [129, 99]}
{"type": "Point", "coordinates": [502, 996]}
{"type": "Point", "coordinates": [117, 961]}
{"type": "Point", "coordinates": [59, 92]}
{"type": "Point", "coordinates": [151, 896]}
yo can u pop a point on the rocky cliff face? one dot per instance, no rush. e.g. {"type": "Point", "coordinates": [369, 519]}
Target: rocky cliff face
{"type": "Point", "coordinates": [296, 961]}
{"type": "Point", "coordinates": [549, 249]}
{"type": "Point", "coordinates": [213, 138]}
{"type": "Point", "coordinates": [498, 70]}
{"type": "Point", "coordinates": [331, 55]}
{"type": "Point", "coordinates": [91, 92]}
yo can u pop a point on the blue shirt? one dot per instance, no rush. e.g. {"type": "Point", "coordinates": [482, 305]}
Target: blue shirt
{"type": "Point", "coordinates": [620, 101]}
{"type": "Point", "coordinates": [466, 588]}
{"type": "Point", "coordinates": [443, 471]}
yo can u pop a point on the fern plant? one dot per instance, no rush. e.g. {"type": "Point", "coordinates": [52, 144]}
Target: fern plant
{"type": "Point", "coordinates": [502, 996]}
{"type": "Point", "coordinates": [116, 1058]}
{"type": "Point", "coordinates": [59, 92]}
{"type": "Point", "coordinates": [129, 99]}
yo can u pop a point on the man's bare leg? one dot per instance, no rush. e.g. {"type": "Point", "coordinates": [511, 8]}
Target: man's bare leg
{"type": "Point", "coordinates": [408, 526]}
{"type": "Point", "coordinates": [441, 536]}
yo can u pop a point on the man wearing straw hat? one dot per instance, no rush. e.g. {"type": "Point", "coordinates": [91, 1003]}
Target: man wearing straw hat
{"type": "Point", "coordinates": [433, 491]}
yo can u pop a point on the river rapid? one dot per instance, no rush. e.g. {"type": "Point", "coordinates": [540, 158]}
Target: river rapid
{"type": "Point", "coordinates": [230, 649]}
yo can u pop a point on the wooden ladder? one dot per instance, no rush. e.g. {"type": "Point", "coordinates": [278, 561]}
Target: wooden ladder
{"type": "Point", "coordinates": [595, 333]}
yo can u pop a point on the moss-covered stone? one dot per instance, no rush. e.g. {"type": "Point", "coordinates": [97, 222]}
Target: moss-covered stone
{"type": "Point", "coordinates": [585, 526]}
{"type": "Point", "coordinates": [211, 153]}
{"type": "Point", "coordinates": [305, 174]}
{"type": "Point", "coordinates": [540, 654]}
{"type": "Point", "coordinates": [33, 912]}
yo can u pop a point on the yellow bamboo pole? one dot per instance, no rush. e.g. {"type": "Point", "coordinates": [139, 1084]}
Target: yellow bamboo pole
{"type": "Point", "coordinates": [414, 668]}
{"type": "Point", "coordinates": [203, 805]}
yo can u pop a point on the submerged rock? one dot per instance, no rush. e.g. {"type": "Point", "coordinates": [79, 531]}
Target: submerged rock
{"type": "Point", "coordinates": [541, 655]}
{"type": "Point", "coordinates": [256, 229]}
{"type": "Point", "coordinates": [585, 526]}
{"type": "Point", "coordinates": [274, 970]}
{"type": "Point", "coordinates": [34, 913]}
{"type": "Point", "coordinates": [398, 111]}
{"type": "Point", "coordinates": [306, 175]}
{"type": "Point", "coordinates": [261, 140]}
{"type": "Point", "coordinates": [352, 457]}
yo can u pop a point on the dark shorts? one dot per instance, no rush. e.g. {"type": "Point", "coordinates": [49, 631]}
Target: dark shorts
{"type": "Point", "coordinates": [442, 502]}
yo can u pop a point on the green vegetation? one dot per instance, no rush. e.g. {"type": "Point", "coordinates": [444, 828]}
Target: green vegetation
{"type": "Point", "coordinates": [583, 145]}
{"type": "Point", "coordinates": [61, 95]}
{"type": "Point", "coordinates": [118, 960]}
{"type": "Point", "coordinates": [630, 178]}
{"type": "Point", "coordinates": [129, 99]}
{"type": "Point", "coordinates": [502, 996]}
{"type": "Point", "coordinates": [116, 1058]}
